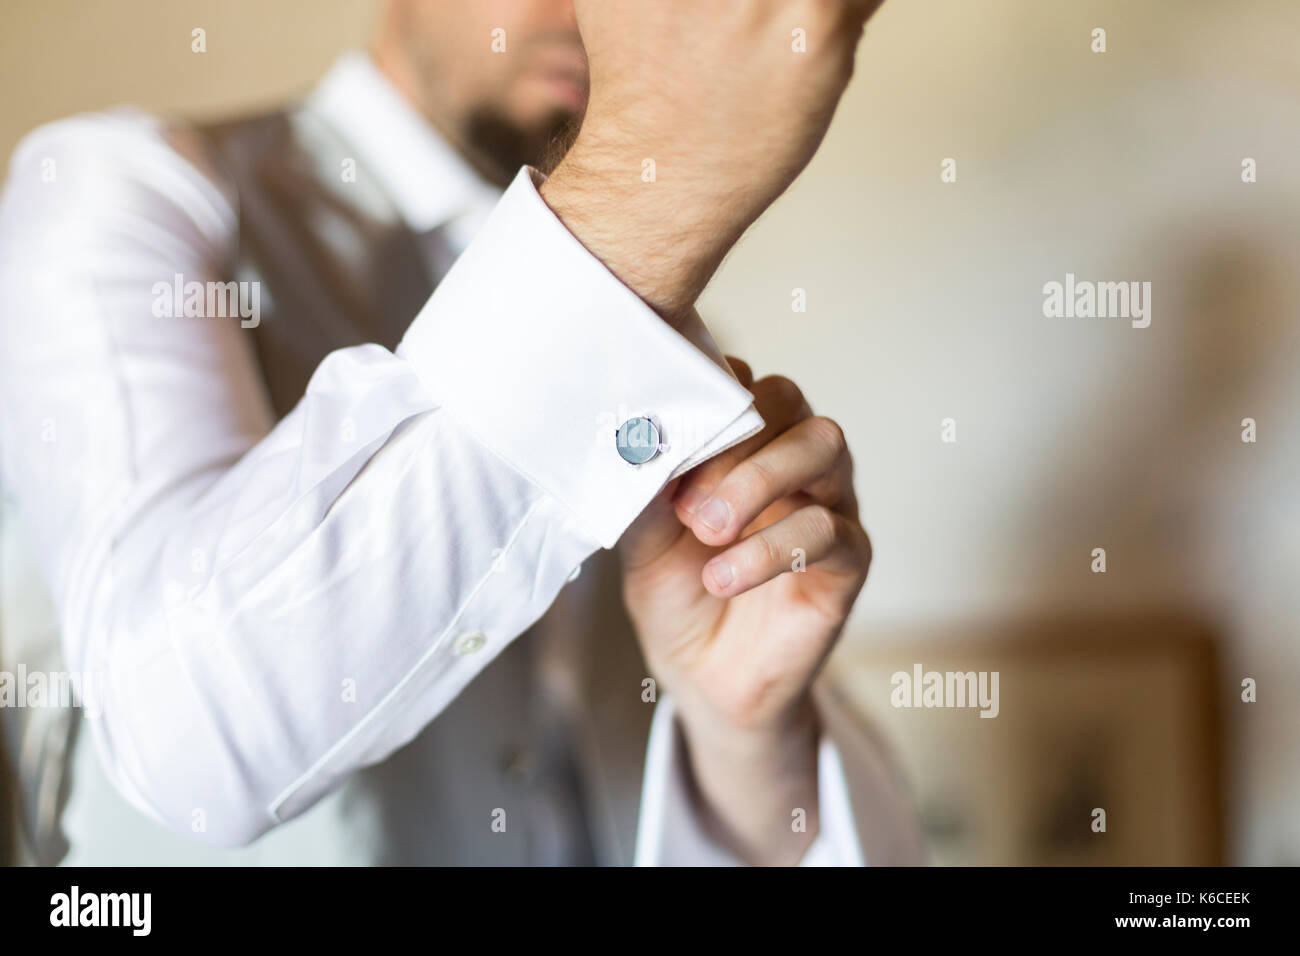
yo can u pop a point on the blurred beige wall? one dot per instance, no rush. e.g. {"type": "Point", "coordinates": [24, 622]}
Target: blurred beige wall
{"type": "Point", "coordinates": [924, 301]}
{"type": "Point", "coordinates": [59, 57]}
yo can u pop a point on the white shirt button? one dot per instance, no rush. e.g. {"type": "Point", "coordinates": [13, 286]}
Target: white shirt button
{"type": "Point", "coordinates": [468, 643]}
{"type": "Point", "coordinates": [575, 572]}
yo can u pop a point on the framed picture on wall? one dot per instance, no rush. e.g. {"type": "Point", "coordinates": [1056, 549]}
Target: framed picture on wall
{"type": "Point", "coordinates": [1099, 742]}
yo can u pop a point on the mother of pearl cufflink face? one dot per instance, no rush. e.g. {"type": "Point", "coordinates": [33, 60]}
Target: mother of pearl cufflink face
{"type": "Point", "coordinates": [638, 440]}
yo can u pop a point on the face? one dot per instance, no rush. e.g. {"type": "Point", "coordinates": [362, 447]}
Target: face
{"type": "Point", "coordinates": [501, 78]}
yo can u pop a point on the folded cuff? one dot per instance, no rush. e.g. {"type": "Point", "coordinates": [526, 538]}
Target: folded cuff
{"type": "Point", "coordinates": [541, 353]}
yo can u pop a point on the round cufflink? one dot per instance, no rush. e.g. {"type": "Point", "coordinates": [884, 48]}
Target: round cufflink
{"type": "Point", "coordinates": [638, 440]}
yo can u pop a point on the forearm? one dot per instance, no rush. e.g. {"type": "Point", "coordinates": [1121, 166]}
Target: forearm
{"type": "Point", "coordinates": [663, 239]}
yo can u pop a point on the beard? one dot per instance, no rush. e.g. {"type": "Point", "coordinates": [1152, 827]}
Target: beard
{"type": "Point", "coordinates": [500, 146]}
{"type": "Point", "coordinates": [494, 143]}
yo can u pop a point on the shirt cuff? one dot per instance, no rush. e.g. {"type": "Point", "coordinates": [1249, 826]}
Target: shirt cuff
{"type": "Point", "coordinates": [671, 833]}
{"type": "Point", "coordinates": [541, 353]}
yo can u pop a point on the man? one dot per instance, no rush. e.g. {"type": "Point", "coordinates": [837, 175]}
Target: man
{"type": "Point", "coordinates": [304, 544]}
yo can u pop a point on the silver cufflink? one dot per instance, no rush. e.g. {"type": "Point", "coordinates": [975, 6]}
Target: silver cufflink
{"type": "Point", "coordinates": [638, 440]}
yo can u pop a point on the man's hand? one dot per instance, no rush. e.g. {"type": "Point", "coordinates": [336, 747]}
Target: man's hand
{"type": "Point", "coordinates": [738, 579]}
{"type": "Point", "coordinates": [718, 96]}
{"type": "Point", "coordinates": [714, 93]}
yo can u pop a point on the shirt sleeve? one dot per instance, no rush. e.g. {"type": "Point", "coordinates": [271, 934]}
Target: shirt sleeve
{"type": "Point", "coordinates": [256, 609]}
{"type": "Point", "coordinates": [670, 831]}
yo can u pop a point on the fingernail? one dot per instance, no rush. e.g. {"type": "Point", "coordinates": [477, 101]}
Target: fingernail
{"type": "Point", "coordinates": [722, 573]}
{"type": "Point", "coordinates": [714, 514]}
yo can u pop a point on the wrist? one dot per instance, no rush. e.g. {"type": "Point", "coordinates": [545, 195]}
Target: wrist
{"type": "Point", "coordinates": [779, 743]}
{"type": "Point", "coordinates": [750, 782]}
{"type": "Point", "coordinates": [664, 239]}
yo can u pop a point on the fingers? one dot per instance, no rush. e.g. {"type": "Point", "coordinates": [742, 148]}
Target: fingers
{"type": "Point", "coordinates": [796, 454]}
{"type": "Point", "coordinates": [810, 457]}
{"type": "Point", "coordinates": [813, 534]}
{"type": "Point", "coordinates": [781, 404]}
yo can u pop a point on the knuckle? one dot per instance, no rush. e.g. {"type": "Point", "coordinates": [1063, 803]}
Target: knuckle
{"type": "Point", "coordinates": [829, 432]}
{"type": "Point", "coordinates": [830, 19]}
{"type": "Point", "coordinates": [756, 480]}
{"type": "Point", "coordinates": [860, 542]}
{"type": "Point", "coordinates": [783, 390]}
{"type": "Point", "coordinates": [821, 522]}
{"type": "Point", "coordinates": [768, 553]}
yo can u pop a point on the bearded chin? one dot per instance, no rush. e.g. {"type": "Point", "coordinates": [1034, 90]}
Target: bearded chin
{"type": "Point", "coordinates": [508, 146]}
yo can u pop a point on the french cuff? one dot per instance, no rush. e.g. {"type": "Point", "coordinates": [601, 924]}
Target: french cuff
{"type": "Point", "coordinates": [541, 353]}
{"type": "Point", "coordinates": [671, 833]}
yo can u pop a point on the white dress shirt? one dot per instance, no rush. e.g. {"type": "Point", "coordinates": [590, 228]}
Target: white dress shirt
{"type": "Point", "coordinates": [225, 577]}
